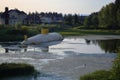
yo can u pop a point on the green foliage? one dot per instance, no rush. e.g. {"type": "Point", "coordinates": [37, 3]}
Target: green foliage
{"type": "Point", "coordinates": [91, 22]}
{"type": "Point", "coordinates": [117, 2]}
{"type": "Point", "coordinates": [107, 18]}
{"type": "Point", "coordinates": [24, 28]}
{"type": "Point", "coordinates": [74, 20]}
{"type": "Point", "coordinates": [116, 68]}
{"type": "Point", "coordinates": [68, 19]}
{"type": "Point", "coordinates": [87, 22]}
{"type": "Point", "coordinates": [107, 46]}
{"type": "Point", "coordinates": [78, 32]}
{"type": "Point", "coordinates": [15, 69]}
{"type": "Point", "coordinates": [97, 75]}
{"type": "Point", "coordinates": [18, 26]}
{"type": "Point", "coordinates": [118, 17]}
{"type": "Point", "coordinates": [10, 33]}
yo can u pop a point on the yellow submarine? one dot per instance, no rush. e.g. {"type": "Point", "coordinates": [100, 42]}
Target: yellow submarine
{"type": "Point", "coordinates": [45, 38]}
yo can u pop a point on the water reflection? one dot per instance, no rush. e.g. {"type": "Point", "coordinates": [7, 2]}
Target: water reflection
{"type": "Point", "coordinates": [76, 45]}
{"type": "Point", "coordinates": [87, 41]}
{"type": "Point", "coordinates": [109, 46]}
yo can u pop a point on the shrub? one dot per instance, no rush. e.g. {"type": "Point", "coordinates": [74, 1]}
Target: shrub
{"type": "Point", "coordinates": [116, 68]}
{"type": "Point", "coordinates": [98, 75]}
{"type": "Point", "coordinates": [24, 28]}
{"type": "Point", "coordinates": [15, 69]}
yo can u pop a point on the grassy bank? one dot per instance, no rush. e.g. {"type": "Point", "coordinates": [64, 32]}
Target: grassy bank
{"type": "Point", "coordinates": [15, 69]}
{"type": "Point", "coordinates": [11, 33]}
{"type": "Point", "coordinates": [77, 32]}
{"type": "Point", "coordinates": [98, 75]}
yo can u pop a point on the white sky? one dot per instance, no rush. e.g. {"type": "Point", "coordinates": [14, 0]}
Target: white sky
{"type": "Point", "coordinates": [60, 6]}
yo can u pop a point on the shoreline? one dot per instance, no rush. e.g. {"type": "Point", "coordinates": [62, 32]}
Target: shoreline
{"type": "Point", "coordinates": [96, 37]}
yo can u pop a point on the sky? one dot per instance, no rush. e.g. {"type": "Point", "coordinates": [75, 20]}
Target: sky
{"type": "Point", "coordinates": [60, 6]}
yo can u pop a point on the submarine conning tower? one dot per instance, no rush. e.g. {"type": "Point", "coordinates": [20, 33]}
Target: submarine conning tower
{"type": "Point", "coordinates": [44, 37]}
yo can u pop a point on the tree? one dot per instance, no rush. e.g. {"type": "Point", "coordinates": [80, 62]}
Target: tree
{"type": "Point", "coordinates": [117, 2]}
{"type": "Point", "coordinates": [76, 19]}
{"type": "Point", "coordinates": [68, 19]}
{"type": "Point", "coordinates": [118, 17]}
{"type": "Point", "coordinates": [92, 21]}
{"type": "Point", "coordinates": [87, 22]}
{"type": "Point", "coordinates": [107, 17]}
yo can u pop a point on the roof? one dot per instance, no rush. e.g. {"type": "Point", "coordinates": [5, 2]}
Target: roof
{"type": "Point", "coordinates": [18, 11]}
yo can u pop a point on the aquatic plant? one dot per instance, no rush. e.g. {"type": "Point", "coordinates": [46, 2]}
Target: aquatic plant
{"type": "Point", "coordinates": [16, 69]}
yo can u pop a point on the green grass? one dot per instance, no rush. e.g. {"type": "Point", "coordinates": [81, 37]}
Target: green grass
{"type": "Point", "coordinates": [15, 69]}
{"type": "Point", "coordinates": [77, 32]}
{"type": "Point", "coordinates": [97, 75]}
{"type": "Point", "coordinates": [11, 33]}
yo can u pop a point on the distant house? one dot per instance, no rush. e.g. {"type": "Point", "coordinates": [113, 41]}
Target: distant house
{"type": "Point", "coordinates": [1, 19]}
{"type": "Point", "coordinates": [12, 17]}
{"type": "Point", "coordinates": [51, 18]}
{"type": "Point", "coordinates": [32, 19]}
{"type": "Point", "coordinates": [46, 20]}
{"type": "Point", "coordinates": [16, 17]}
{"type": "Point", "coordinates": [58, 20]}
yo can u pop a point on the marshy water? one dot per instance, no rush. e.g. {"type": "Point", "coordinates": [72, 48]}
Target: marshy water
{"type": "Point", "coordinates": [68, 60]}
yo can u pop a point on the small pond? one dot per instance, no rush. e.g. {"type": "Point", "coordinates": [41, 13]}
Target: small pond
{"type": "Point", "coordinates": [68, 60]}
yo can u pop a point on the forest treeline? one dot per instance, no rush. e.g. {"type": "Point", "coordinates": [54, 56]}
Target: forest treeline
{"type": "Point", "coordinates": [107, 18]}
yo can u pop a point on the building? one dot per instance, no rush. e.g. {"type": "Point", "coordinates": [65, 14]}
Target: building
{"type": "Point", "coordinates": [51, 18]}
{"type": "Point", "coordinates": [1, 19]}
{"type": "Point", "coordinates": [12, 17]}
{"type": "Point", "coordinates": [46, 20]}
{"type": "Point", "coordinates": [16, 17]}
{"type": "Point", "coordinates": [33, 19]}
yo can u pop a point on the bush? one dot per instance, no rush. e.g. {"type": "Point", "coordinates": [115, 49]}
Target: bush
{"type": "Point", "coordinates": [16, 32]}
{"type": "Point", "coordinates": [15, 69]}
{"type": "Point", "coordinates": [98, 75]}
{"type": "Point", "coordinates": [116, 68]}
{"type": "Point", "coordinates": [24, 28]}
